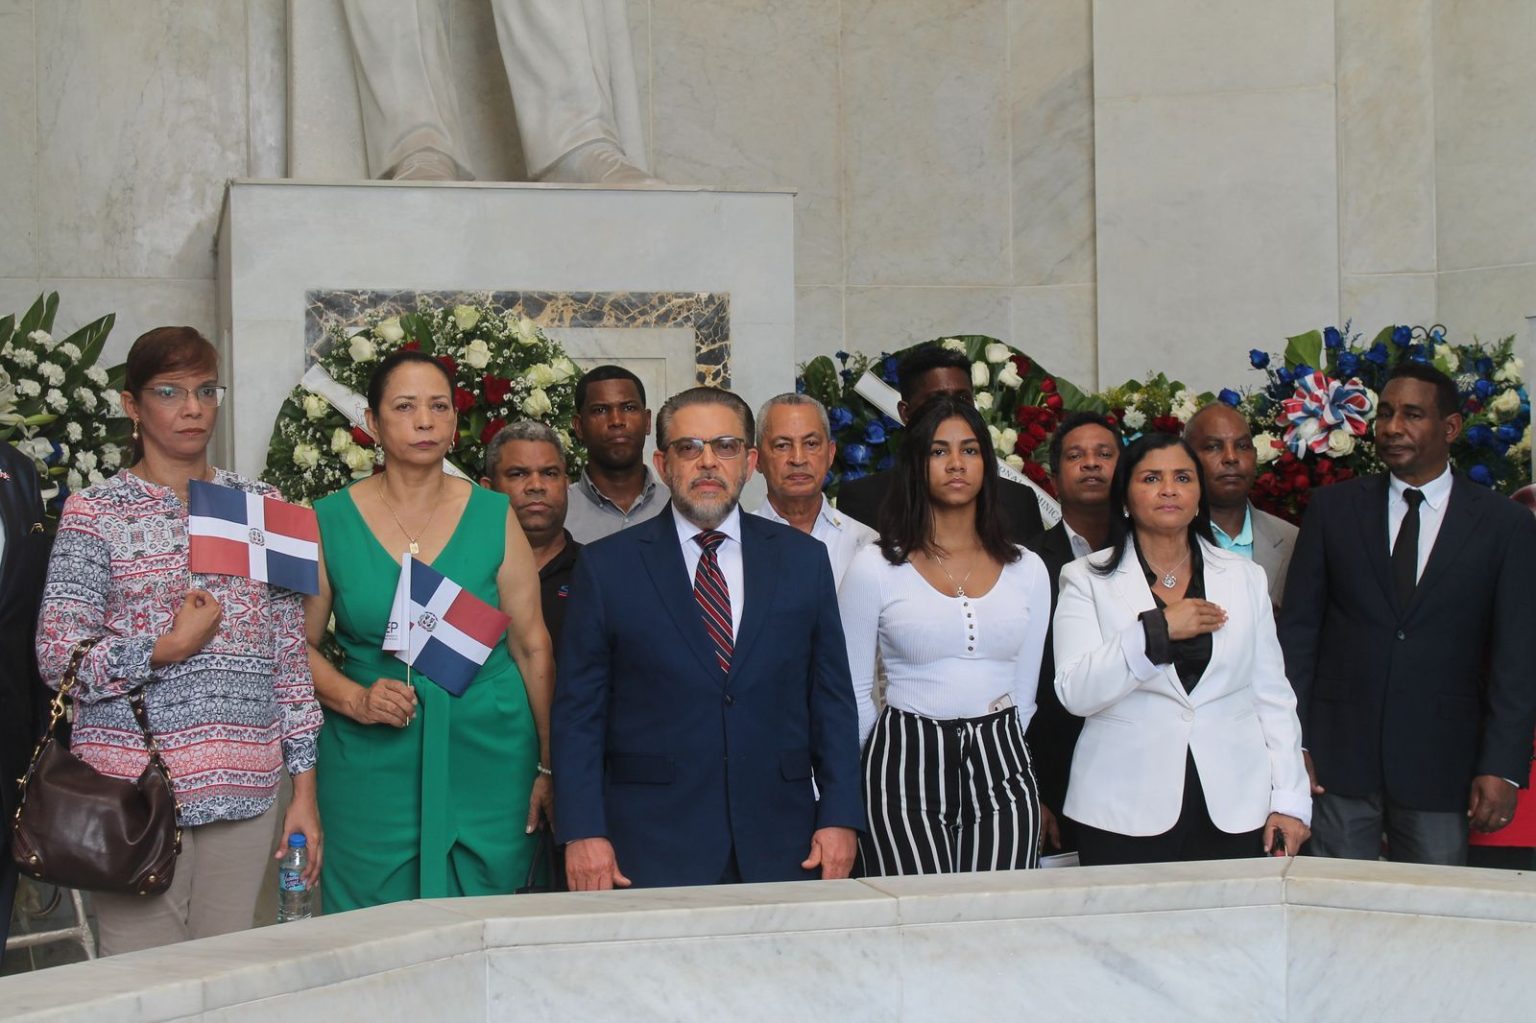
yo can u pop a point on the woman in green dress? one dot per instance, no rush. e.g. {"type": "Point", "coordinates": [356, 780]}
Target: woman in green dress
{"type": "Point", "coordinates": [424, 794]}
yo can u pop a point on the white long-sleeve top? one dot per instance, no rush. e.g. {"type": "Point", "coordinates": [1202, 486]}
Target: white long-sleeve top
{"type": "Point", "coordinates": [945, 657]}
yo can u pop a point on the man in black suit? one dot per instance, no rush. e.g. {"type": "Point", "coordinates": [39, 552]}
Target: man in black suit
{"type": "Point", "coordinates": [1083, 453]}
{"type": "Point", "coordinates": [1408, 636]}
{"type": "Point", "coordinates": [23, 562]}
{"type": "Point", "coordinates": [928, 372]}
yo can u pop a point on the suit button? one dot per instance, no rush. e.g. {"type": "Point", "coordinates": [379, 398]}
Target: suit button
{"type": "Point", "coordinates": [729, 699]}
{"type": "Point", "coordinates": [1401, 634]}
{"type": "Point", "coordinates": [1189, 715]}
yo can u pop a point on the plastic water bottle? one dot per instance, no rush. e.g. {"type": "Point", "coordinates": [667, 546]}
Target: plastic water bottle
{"type": "Point", "coordinates": [292, 891]}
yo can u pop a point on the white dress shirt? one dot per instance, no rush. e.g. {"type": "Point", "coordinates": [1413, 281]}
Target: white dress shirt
{"type": "Point", "coordinates": [1437, 494]}
{"type": "Point", "coordinates": [1081, 548]}
{"type": "Point", "coordinates": [728, 554]}
{"type": "Point", "coordinates": [843, 536]}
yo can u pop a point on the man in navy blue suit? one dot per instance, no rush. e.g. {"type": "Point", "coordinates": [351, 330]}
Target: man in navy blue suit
{"type": "Point", "coordinates": [704, 729]}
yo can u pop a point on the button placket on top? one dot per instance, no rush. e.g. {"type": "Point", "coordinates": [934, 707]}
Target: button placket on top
{"type": "Point", "coordinates": [970, 624]}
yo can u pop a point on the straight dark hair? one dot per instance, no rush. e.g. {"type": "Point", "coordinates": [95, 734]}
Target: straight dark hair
{"type": "Point", "coordinates": [1120, 525]}
{"type": "Point", "coordinates": [906, 518]}
{"type": "Point", "coordinates": [393, 361]}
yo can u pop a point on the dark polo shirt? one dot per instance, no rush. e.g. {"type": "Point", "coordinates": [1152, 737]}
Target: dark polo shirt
{"type": "Point", "coordinates": [555, 587]}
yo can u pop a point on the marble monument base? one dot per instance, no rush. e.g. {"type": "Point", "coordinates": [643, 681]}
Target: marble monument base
{"type": "Point", "coordinates": [1262, 940]}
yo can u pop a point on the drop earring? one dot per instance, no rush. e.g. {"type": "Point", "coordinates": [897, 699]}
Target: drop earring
{"type": "Point", "coordinates": [135, 429]}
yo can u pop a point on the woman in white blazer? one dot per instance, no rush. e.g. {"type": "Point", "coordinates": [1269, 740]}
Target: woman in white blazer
{"type": "Point", "coordinates": [1166, 644]}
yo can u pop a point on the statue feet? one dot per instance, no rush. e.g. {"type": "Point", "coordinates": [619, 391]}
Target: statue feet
{"type": "Point", "coordinates": [428, 165]}
{"type": "Point", "coordinates": [599, 162]}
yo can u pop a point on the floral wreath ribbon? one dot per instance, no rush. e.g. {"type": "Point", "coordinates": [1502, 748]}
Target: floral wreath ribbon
{"type": "Point", "coordinates": [352, 405]}
{"type": "Point", "coordinates": [1322, 405]}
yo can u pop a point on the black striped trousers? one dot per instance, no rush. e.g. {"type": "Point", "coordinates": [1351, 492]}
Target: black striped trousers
{"type": "Point", "coordinates": [948, 796]}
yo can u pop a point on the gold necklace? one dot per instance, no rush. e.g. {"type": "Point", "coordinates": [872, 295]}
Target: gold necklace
{"type": "Point", "coordinates": [959, 586]}
{"type": "Point", "coordinates": [415, 547]}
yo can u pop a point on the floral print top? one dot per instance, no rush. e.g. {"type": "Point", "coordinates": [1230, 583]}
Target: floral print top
{"type": "Point", "coordinates": [228, 718]}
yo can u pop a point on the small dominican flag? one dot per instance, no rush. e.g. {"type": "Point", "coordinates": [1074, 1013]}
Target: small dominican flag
{"type": "Point", "coordinates": [439, 628]}
{"type": "Point", "coordinates": [262, 538]}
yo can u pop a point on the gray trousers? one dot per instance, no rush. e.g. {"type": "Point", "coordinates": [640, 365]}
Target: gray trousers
{"type": "Point", "coordinates": [1351, 828]}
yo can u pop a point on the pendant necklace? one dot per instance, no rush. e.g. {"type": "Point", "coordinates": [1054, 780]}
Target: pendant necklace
{"type": "Point", "coordinates": [959, 586]}
{"type": "Point", "coordinates": [1169, 579]}
{"type": "Point", "coordinates": [415, 547]}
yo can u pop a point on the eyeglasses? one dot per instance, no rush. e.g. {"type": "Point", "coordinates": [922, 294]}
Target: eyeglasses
{"type": "Point", "coordinates": [690, 448]}
{"type": "Point", "coordinates": [171, 396]}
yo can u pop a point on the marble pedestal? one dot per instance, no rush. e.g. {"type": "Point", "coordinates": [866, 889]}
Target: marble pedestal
{"type": "Point", "coordinates": [1262, 940]}
{"type": "Point", "coordinates": [683, 285]}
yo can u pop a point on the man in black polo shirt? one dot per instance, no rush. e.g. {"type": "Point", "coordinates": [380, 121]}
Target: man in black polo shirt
{"type": "Point", "coordinates": [526, 461]}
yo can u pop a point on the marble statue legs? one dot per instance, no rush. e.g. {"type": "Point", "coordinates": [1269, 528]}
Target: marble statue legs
{"type": "Point", "coordinates": [571, 70]}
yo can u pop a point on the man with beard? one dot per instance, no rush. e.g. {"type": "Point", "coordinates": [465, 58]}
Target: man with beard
{"type": "Point", "coordinates": [703, 684]}
{"type": "Point", "coordinates": [1083, 453]}
{"type": "Point", "coordinates": [1223, 443]}
{"type": "Point", "coordinates": [616, 489]}
{"type": "Point", "coordinates": [526, 461]}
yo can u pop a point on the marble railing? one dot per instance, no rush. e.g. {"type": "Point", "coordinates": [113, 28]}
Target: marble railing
{"type": "Point", "coordinates": [1243, 940]}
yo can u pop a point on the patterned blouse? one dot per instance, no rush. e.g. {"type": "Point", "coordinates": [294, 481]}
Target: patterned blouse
{"type": "Point", "coordinates": [227, 718]}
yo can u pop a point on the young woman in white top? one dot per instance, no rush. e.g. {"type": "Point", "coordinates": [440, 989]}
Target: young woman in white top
{"type": "Point", "coordinates": [958, 616]}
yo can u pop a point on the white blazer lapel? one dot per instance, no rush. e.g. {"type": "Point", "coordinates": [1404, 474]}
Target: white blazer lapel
{"type": "Point", "coordinates": [1131, 587]}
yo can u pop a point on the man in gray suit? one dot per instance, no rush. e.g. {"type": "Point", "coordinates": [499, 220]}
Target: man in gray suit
{"type": "Point", "coordinates": [1220, 436]}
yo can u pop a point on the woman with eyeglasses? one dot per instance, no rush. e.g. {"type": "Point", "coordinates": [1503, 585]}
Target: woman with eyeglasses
{"type": "Point", "coordinates": [426, 795]}
{"type": "Point", "coordinates": [1166, 644]}
{"type": "Point", "coordinates": [958, 616]}
{"type": "Point", "coordinates": [221, 660]}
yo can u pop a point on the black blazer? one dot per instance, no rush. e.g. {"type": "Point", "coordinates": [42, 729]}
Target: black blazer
{"type": "Point", "coordinates": [22, 567]}
{"type": "Point", "coordinates": [1413, 700]}
{"type": "Point", "coordinates": [863, 498]}
{"type": "Point", "coordinates": [1053, 731]}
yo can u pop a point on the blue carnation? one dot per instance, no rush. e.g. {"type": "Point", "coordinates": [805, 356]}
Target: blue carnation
{"type": "Point", "coordinates": [1437, 332]}
{"type": "Point", "coordinates": [1484, 389]}
{"type": "Point", "coordinates": [1349, 364]}
{"type": "Point", "coordinates": [1285, 375]}
{"type": "Point", "coordinates": [856, 454]}
{"type": "Point", "coordinates": [1508, 433]}
{"type": "Point", "coordinates": [1259, 358]}
{"type": "Point", "coordinates": [842, 357]}
{"type": "Point", "coordinates": [840, 417]}
{"type": "Point", "coordinates": [1480, 474]}
{"type": "Point", "coordinates": [1229, 397]}
{"type": "Point", "coordinates": [1401, 336]}
{"type": "Point", "coordinates": [1377, 354]}
{"type": "Point", "coordinates": [1417, 353]}
{"type": "Point", "coordinates": [1480, 436]}
{"type": "Point", "coordinates": [888, 370]}
{"type": "Point", "coordinates": [874, 433]}
{"type": "Point", "coordinates": [1332, 338]}
{"type": "Point", "coordinates": [1301, 371]}
{"type": "Point", "coordinates": [1484, 366]}
{"type": "Point", "coordinates": [885, 463]}
{"type": "Point", "coordinates": [847, 375]}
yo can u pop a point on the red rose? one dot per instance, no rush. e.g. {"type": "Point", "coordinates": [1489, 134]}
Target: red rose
{"type": "Point", "coordinates": [1021, 364]}
{"type": "Point", "coordinates": [1048, 385]}
{"type": "Point", "coordinates": [361, 436]}
{"type": "Point", "coordinates": [1473, 406]}
{"type": "Point", "coordinates": [491, 429]}
{"type": "Point", "coordinates": [496, 389]}
{"type": "Point", "coordinates": [411, 346]}
{"type": "Point", "coordinates": [446, 361]}
{"type": "Point", "coordinates": [463, 401]}
{"type": "Point", "coordinates": [1053, 402]}
{"type": "Point", "coordinates": [1167, 424]}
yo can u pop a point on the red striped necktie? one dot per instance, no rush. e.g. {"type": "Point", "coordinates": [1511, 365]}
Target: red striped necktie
{"type": "Point", "coordinates": [713, 595]}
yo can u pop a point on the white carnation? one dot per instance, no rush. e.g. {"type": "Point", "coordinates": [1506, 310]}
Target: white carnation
{"type": "Point", "coordinates": [95, 477]}
{"type": "Point", "coordinates": [56, 400]}
{"type": "Point", "coordinates": [24, 357]}
{"type": "Point", "coordinates": [1134, 419]}
{"type": "Point", "coordinates": [85, 461]}
{"type": "Point", "coordinates": [69, 351]}
{"type": "Point", "coordinates": [954, 344]}
{"type": "Point", "coordinates": [74, 433]}
{"type": "Point", "coordinates": [113, 400]}
{"type": "Point", "coordinates": [86, 398]}
{"type": "Point", "coordinates": [111, 456]}
{"type": "Point", "coordinates": [28, 388]}
{"type": "Point", "coordinates": [51, 373]}
{"type": "Point", "coordinates": [97, 376]}
{"type": "Point", "coordinates": [73, 480]}
{"type": "Point", "coordinates": [41, 337]}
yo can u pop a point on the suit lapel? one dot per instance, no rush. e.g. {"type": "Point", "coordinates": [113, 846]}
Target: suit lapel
{"type": "Point", "coordinates": [1371, 516]}
{"type": "Point", "coordinates": [1132, 588]}
{"type": "Point", "coordinates": [663, 558]}
{"type": "Point", "coordinates": [760, 580]}
{"type": "Point", "coordinates": [1457, 525]}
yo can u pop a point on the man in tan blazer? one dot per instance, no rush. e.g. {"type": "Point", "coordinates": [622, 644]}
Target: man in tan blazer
{"type": "Point", "coordinates": [1221, 438]}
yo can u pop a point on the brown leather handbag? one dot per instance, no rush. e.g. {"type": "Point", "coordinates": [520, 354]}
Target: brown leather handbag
{"type": "Point", "coordinates": [79, 828]}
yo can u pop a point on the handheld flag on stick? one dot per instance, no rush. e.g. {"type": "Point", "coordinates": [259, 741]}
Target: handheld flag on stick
{"type": "Point", "coordinates": [236, 533]}
{"type": "Point", "coordinates": [439, 628]}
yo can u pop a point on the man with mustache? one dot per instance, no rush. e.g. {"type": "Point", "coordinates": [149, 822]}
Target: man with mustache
{"type": "Point", "coordinates": [703, 684]}
{"type": "Point", "coordinates": [1083, 453]}
{"type": "Point", "coordinates": [1223, 443]}
{"type": "Point", "coordinates": [526, 461]}
{"type": "Point", "coordinates": [795, 450]}
{"type": "Point", "coordinates": [1407, 632]}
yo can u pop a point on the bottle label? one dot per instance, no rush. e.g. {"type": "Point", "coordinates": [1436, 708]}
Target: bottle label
{"type": "Point", "coordinates": [290, 880]}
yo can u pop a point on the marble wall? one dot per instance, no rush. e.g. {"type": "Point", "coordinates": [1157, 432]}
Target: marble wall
{"type": "Point", "coordinates": [1111, 184]}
